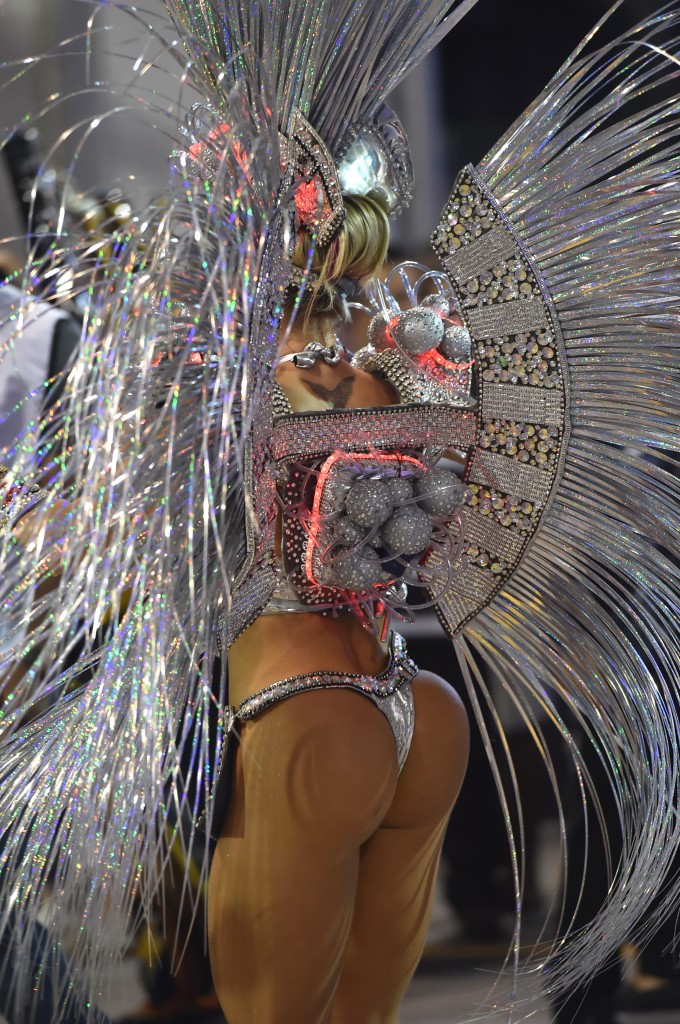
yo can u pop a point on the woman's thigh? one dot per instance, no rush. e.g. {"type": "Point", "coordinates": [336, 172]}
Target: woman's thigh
{"type": "Point", "coordinates": [398, 864]}
{"type": "Point", "coordinates": [313, 779]}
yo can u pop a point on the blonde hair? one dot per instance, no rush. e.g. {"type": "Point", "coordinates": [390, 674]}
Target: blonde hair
{"type": "Point", "coordinates": [357, 252]}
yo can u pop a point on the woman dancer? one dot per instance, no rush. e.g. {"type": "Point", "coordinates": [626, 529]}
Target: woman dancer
{"type": "Point", "coordinates": [220, 482]}
{"type": "Point", "coordinates": [356, 800]}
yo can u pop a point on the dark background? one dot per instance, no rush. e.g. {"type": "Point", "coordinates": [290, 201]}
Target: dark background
{"type": "Point", "coordinates": [502, 55]}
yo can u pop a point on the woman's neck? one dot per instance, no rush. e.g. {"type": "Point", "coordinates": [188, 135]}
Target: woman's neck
{"type": "Point", "coordinates": [296, 334]}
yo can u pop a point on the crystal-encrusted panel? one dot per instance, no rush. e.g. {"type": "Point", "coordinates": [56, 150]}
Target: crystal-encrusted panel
{"type": "Point", "coordinates": [453, 607]}
{"type": "Point", "coordinates": [470, 260]}
{"type": "Point", "coordinates": [522, 389]}
{"type": "Point", "coordinates": [535, 405]}
{"type": "Point", "coordinates": [507, 475]}
{"type": "Point", "coordinates": [490, 539]}
{"type": "Point", "coordinates": [476, 584]}
{"type": "Point", "coordinates": [515, 317]}
{"type": "Point", "coordinates": [252, 597]}
{"type": "Point", "coordinates": [386, 427]}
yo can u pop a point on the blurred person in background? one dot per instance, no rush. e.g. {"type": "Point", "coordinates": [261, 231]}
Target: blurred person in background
{"type": "Point", "coordinates": [37, 344]}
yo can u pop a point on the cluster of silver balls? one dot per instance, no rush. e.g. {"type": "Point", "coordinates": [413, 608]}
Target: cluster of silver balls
{"type": "Point", "coordinates": [423, 328]}
{"type": "Point", "coordinates": [385, 523]}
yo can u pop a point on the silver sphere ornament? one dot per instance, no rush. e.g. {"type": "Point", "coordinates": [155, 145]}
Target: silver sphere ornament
{"type": "Point", "coordinates": [369, 502]}
{"type": "Point", "coordinates": [336, 490]}
{"type": "Point", "coordinates": [418, 330]}
{"type": "Point", "coordinates": [438, 303]}
{"type": "Point", "coordinates": [348, 533]}
{"type": "Point", "coordinates": [356, 570]}
{"type": "Point", "coordinates": [401, 489]}
{"type": "Point", "coordinates": [456, 345]}
{"type": "Point", "coordinates": [378, 332]}
{"type": "Point", "coordinates": [408, 531]}
{"type": "Point", "coordinates": [440, 492]}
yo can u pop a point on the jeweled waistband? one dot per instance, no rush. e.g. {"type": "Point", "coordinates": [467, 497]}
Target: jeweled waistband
{"type": "Point", "coordinates": [399, 671]}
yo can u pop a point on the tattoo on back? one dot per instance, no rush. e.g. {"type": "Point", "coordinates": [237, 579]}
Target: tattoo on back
{"type": "Point", "coordinates": [338, 397]}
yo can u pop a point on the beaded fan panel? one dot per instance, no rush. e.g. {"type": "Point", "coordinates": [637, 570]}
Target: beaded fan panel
{"type": "Point", "coordinates": [515, 464]}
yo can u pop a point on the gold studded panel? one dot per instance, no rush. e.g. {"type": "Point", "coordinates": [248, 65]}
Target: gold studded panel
{"type": "Point", "coordinates": [523, 390]}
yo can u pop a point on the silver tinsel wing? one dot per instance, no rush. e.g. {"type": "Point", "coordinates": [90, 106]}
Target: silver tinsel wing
{"type": "Point", "coordinates": [563, 249]}
{"type": "Point", "coordinates": [113, 601]}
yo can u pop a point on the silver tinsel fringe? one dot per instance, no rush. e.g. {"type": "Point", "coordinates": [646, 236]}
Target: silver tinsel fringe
{"type": "Point", "coordinates": [585, 636]}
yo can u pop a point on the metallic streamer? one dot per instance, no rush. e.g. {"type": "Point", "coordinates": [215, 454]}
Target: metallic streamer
{"type": "Point", "coordinates": [588, 180]}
